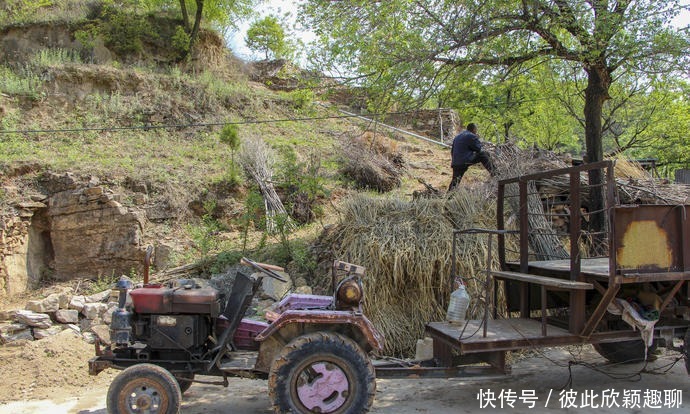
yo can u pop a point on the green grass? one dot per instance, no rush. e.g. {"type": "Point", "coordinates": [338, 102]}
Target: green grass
{"type": "Point", "coordinates": [55, 57]}
{"type": "Point", "coordinates": [36, 11]}
{"type": "Point", "coordinates": [22, 83]}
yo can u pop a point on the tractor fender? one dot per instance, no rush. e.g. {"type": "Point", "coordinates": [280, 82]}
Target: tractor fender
{"type": "Point", "coordinates": [357, 320]}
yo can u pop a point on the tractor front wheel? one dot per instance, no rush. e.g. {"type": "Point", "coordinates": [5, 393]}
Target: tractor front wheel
{"type": "Point", "coordinates": [322, 372]}
{"type": "Point", "coordinates": [144, 389]}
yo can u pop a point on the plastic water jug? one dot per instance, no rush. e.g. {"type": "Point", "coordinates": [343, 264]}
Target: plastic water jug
{"type": "Point", "coordinates": [458, 304]}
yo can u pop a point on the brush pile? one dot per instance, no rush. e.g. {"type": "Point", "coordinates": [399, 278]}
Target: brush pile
{"type": "Point", "coordinates": [371, 165]}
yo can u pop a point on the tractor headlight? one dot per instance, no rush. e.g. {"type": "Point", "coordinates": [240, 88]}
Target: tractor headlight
{"type": "Point", "coordinates": [349, 294]}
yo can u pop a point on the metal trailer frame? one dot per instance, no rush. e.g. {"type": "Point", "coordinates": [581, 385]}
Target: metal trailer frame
{"type": "Point", "coordinates": [589, 285]}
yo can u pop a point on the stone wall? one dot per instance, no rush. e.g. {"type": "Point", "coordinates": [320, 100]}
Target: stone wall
{"type": "Point", "coordinates": [14, 235]}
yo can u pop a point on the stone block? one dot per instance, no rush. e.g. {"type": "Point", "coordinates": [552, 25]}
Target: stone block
{"type": "Point", "coordinates": [49, 304]}
{"type": "Point", "coordinates": [64, 300]}
{"type": "Point", "coordinates": [12, 328]}
{"type": "Point", "coordinates": [305, 290]}
{"type": "Point", "coordinates": [274, 288]}
{"type": "Point", "coordinates": [108, 314]}
{"type": "Point", "coordinates": [102, 332]}
{"type": "Point", "coordinates": [67, 316]}
{"type": "Point", "coordinates": [7, 315]}
{"type": "Point", "coordinates": [93, 311]}
{"type": "Point", "coordinates": [74, 328]}
{"type": "Point", "coordinates": [16, 338]}
{"type": "Point", "coordinates": [98, 297]}
{"type": "Point", "coordinates": [89, 337]}
{"type": "Point", "coordinates": [93, 191]}
{"type": "Point", "coordinates": [37, 320]}
{"type": "Point", "coordinates": [77, 302]}
{"type": "Point", "coordinates": [44, 333]}
{"type": "Point", "coordinates": [86, 324]}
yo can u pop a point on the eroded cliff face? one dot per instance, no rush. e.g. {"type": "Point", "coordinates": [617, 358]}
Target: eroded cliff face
{"type": "Point", "coordinates": [93, 234]}
{"type": "Point", "coordinates": [75, 230]}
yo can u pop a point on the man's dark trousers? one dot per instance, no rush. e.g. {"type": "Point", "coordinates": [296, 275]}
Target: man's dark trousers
{"type": "Point", "coordinates": [459, 171]}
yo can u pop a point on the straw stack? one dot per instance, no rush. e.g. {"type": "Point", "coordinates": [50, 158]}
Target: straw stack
{"type": "Point", "coordinates": [406, 248]}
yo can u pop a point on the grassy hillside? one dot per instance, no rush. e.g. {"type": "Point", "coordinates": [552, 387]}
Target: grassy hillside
{"type": "Point", "coordinates": [139, 121]}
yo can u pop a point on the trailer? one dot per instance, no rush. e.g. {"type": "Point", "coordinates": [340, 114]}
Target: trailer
{"type": "Point", "coordinates": [634, 266]}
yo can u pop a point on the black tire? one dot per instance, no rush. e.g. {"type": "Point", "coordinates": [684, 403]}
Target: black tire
{"type": "Point", "coordinates": [144, 388]}
{"type": "Point", "coordinates": [184, 381]}
{"type": "Point", "coordinates": [308, 362]}
{"type": "Point", "coordinates": [625, 351]}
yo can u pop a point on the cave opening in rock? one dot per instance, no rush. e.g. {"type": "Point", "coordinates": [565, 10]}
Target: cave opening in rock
{"type": "Point", "coordinates": [40, 256]}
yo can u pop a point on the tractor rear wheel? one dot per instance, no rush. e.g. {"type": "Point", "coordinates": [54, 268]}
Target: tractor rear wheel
{"type": "Point", "coordinates": [322, 372]}
{"type": "Point", "coordinates": [144, 388]}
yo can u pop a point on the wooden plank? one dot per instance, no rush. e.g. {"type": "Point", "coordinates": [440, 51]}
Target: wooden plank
{"type": "Point", "coordinates": [503, 335]}
{"type": "Point", "coordinates": [596, 267]}
{"type": "Point", "coordinates": [652, 277]}
{"type": "Point", "coordinates": [542, 280]}
{"type": "Point", "coordinates": [348, 267]}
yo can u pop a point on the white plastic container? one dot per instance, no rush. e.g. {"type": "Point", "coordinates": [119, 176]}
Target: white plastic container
{"type": "Point", "coordinates": [458, 304]}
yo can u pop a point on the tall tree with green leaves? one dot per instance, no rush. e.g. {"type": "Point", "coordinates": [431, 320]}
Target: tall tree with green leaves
{"type": "Point", "coordinates": [413, 46]}
{"type": "Point", "coordinates": [223, 14]}
{"type": "Point", "coordinates": [269, 37]}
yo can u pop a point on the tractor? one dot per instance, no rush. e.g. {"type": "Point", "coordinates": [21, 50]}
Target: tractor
{"type": "Point", "coordinates": [312, 349]}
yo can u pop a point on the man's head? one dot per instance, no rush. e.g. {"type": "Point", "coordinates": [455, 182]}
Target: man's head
{"type": "Point", "coordinates": [472, 128]}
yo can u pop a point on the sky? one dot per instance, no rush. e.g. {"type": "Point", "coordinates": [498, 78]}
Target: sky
{"type": "Point", "coordinates": [271, 7]}
{"type": "Point", "coordinates": [280, 7]}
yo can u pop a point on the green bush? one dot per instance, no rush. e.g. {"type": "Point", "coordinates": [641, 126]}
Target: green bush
{"type": "Point", "coordinates": [124, 32]}
{"type": "Point", "coordinates": [302, 99]}
{"type": "Point", "coordinates": [224, 260]}
{"type": "Point", "coordinates": [180, 41]}
{"type": "Point", "coordinates": [304, 184]}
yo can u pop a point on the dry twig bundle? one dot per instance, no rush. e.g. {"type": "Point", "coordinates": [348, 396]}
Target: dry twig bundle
{"type": "Point", "coordinates": [513, 162]}
{"type": "Point", "coordinates": [257, 161]}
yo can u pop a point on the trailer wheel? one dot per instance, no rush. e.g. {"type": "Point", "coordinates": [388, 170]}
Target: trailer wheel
{"type": "Point", "coordinates": [686, 345]}
{"type": "Point", "coordinates": [185, 381]}
{"type": "Point", "coordinates": [144, 388]}
{"type": "Point", "coordinates": [322, 372]}
{"type": "Point", "coordinates": [624, 351]}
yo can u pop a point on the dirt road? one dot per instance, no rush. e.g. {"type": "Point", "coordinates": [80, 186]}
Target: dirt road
{"type": "Point", "coordinates": [597, 387]}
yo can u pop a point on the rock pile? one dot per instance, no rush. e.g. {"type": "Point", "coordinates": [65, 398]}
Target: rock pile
{"type": "Point", "coordinates": [88, 316]}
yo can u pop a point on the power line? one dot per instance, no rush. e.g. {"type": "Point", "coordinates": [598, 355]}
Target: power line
{"type": "Point", "coordinates": [148, 127]}
{"type": "Point", "coordinates": [176, 126]}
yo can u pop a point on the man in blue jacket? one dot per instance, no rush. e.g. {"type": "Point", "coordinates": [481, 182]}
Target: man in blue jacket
{"type": "Point", "coordinates": [465, 151]}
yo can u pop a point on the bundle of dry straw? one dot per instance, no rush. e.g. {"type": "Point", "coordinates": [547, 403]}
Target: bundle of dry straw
{"type": "Point", "coordinates": [406, 248]}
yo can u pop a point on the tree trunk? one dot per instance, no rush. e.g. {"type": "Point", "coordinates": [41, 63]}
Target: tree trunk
{"type": "Point", "coordinates": [185, 15]}
{"type": "Point", "coordinates": [197, 23]}
{"type": "Point", "coordinates": [596, 93]}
